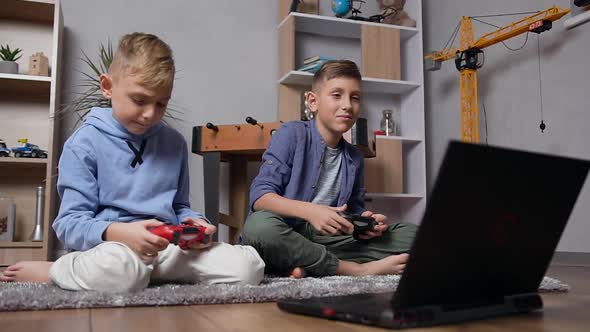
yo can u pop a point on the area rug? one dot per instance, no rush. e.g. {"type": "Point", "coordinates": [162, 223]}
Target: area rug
{"type": "Point", "coordinates": [29, 296]}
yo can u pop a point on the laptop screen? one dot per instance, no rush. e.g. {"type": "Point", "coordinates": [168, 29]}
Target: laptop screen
{"type": "Point", "coordinates": [492, 223]}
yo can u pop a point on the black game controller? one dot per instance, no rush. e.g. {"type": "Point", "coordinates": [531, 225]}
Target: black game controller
{"type": "Point", "coordinates": [361, 224]}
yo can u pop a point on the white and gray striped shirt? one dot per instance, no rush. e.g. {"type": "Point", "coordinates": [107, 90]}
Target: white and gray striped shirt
{"type": "Point", "coordinates": [328, 187]}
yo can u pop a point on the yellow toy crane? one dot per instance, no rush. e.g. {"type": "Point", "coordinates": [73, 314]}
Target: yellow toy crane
{"type": "Point", "coordinates": [467, 60]}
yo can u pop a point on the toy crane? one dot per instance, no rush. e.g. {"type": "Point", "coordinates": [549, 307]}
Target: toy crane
{"type": "Point", "coordinates": [467, 60]}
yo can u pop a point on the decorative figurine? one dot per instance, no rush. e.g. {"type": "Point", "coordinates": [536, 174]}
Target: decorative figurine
{"type": "Point", "coordinates": [392, 12]}
{"type": "Point", "coordinates": [38, 64]}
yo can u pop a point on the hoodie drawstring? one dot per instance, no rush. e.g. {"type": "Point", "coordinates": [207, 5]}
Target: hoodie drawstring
{"type": "Point", "coordinates": [137, 154]}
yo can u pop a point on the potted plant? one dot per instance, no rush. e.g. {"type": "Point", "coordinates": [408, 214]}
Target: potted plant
{"type": "Point", "coordinates": [8, 59]}
{"type": "Point", "coordinates": [91, 95]}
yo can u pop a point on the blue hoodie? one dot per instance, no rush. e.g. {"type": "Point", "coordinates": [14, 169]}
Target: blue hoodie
{"type": "Point", "coordinates": [102, 179]}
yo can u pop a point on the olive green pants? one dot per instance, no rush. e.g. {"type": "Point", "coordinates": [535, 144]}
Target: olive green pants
{"type": "Point", "coordinates": [284, 247]}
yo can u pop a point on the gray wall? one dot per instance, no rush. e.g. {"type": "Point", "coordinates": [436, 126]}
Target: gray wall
{"type": "Point", "coordinates": [226, 53]}
{"type": "Point", "coordinates": [509, 87]}
{"type": "Point", "coordinates": [225, 50]}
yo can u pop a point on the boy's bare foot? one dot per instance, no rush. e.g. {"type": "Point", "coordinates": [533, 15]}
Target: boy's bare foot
{"type": "Point", "coordinates": [27, 272]}
{"type": "Point", "coordinates": [394, 264]}
{"type": "Point", "coordinates": [297, 273]}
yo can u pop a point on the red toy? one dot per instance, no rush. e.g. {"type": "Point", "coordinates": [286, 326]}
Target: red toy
{"type": "Point", "coordinates": [182, 235]}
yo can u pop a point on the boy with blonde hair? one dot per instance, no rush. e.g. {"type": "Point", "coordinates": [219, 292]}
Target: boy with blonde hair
{"type": "Point", "coordinates": [122, 172]}
{"type": "Point", "coordinates": [309, 175]}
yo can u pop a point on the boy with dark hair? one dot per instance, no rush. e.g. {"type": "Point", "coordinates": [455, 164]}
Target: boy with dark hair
{"type": "Point", "coordinates": [310, 174]}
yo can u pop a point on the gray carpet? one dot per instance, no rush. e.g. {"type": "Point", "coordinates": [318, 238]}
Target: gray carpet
{"type": "Point", "coordinates": [28, 296]}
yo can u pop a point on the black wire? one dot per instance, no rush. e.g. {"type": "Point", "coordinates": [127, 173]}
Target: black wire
{"type": "Point", "coordinates": [504, 43]}
{"type": "Point", "coordinates": [519, 48]}
{"type": "Point", "coordinates": [540, 84]}
{"type": "Point", "coordinates": [360, 6]}
{"type": "Point", "coordinates": [453, 36]}
{"type": "Point", "coordinates": [507, 14]}
{"type": "Point", "coordinates": [485, 119]}
{"type": "Point", "coordinates": [457, 27]}
{"type": "Point", "coordinates": [480, 21]}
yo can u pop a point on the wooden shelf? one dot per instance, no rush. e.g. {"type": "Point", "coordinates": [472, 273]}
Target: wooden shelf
{"type": "Point", "coordinates": [22, 77]}
{"type": "Point", "coordinates": [27, 106]}
{"type": "Point", "coordinates": [23, 161]}
{"type": "Point", "coordinates": [25, 84]}
{"type": "Point", "coordinates": [21, 244]}
{"type": "Point", "coordinates": [405, 140]}
{"type": "Point", "coordinates": [370, 85]}
{"type": "Point", "coordinates": [29, 10]}
{"type": "Point", "coordinates": [339, 27]}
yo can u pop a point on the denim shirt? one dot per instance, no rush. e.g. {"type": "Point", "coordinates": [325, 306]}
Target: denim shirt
{"type": "Point", "coordinates": [292, 162]}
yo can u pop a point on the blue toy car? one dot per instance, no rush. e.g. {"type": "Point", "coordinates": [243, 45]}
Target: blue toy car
{"type": "Point", "coordinates": [4, 151]}
{"type": "Point", "coordinates": [29, 150]}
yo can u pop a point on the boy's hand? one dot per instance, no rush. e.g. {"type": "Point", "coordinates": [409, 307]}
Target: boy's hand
{"type": "Point", "coordinates": [210, 230]}
{"type": "Point", "coordinates": [327, 221]}
{"type": "Point", "coordinates": [136, 236]}
{"type": "Point", "coordinates": [379, 228]}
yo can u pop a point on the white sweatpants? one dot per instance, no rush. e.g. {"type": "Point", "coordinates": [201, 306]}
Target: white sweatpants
{"type": "Point", "coordinates": [113, 267]}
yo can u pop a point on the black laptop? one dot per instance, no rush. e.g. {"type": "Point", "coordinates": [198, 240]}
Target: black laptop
{"type": "Point", "coordinates": [492, 223]}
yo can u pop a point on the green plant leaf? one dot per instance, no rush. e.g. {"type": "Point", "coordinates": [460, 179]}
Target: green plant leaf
{"type": "Point", "coordinates": [6, 54]}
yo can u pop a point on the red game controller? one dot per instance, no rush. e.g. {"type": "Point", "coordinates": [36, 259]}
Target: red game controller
{"type": "Point", "coordinates": [182, 235]}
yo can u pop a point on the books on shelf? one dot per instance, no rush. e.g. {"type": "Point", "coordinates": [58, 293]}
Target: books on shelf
{"type": "Point", "coordinates": [311, 68]}
{"type": "Point", "coordinates": [315, 58]}
{"type": "Point", "coordinates": [313, 63]}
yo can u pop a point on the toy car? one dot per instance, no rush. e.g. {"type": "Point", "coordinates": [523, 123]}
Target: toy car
{"type": "Point", "coordinates": [29, 150]}
{"type": "Point", "coordinates": [4, 151]}
{"type": "Point", "coordinates": [182, 235]}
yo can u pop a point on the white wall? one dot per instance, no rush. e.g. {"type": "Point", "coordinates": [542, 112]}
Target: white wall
{"type": "Point", "coordinates": [509, 87]}
{"type": "Point", "coordinates": [225, 50]}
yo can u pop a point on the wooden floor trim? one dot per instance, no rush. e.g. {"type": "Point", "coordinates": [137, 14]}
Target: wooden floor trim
{"type": "Point", "coordinates": [562, 258]}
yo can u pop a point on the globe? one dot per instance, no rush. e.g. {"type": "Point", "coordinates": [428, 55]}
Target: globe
{"type": "Point", "coordinates": [341, 7]}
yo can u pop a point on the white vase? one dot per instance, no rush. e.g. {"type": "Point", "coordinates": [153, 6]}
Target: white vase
{"type": "Point", "coordinates": [8, 67]}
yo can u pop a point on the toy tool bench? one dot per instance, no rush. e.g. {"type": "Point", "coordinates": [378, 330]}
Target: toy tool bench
{"type": "Point", "coordinates": [236, 144]}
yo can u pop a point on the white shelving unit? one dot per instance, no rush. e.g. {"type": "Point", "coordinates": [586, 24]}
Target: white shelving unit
{"type": "Point", "coordinates": [370, 85]}
{"type": "Point", "coordinates": [23, 77]}
{"type": "Point", "coordinates": [338, 27]}
{"type": "Point", "coordinates": [27, 110]}
{"type": "Point", "coordinates": [302, 35]}
{"type": "Point", "coordinates": [403, 139]}
{"type": "Point", "coordinates": [25, 84]}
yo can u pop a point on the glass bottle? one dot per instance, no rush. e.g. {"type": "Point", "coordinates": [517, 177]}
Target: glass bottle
{"type": "Point", "coordinates": [387, 123]}
{"type": "Point", "coordinates": [7, 218]}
